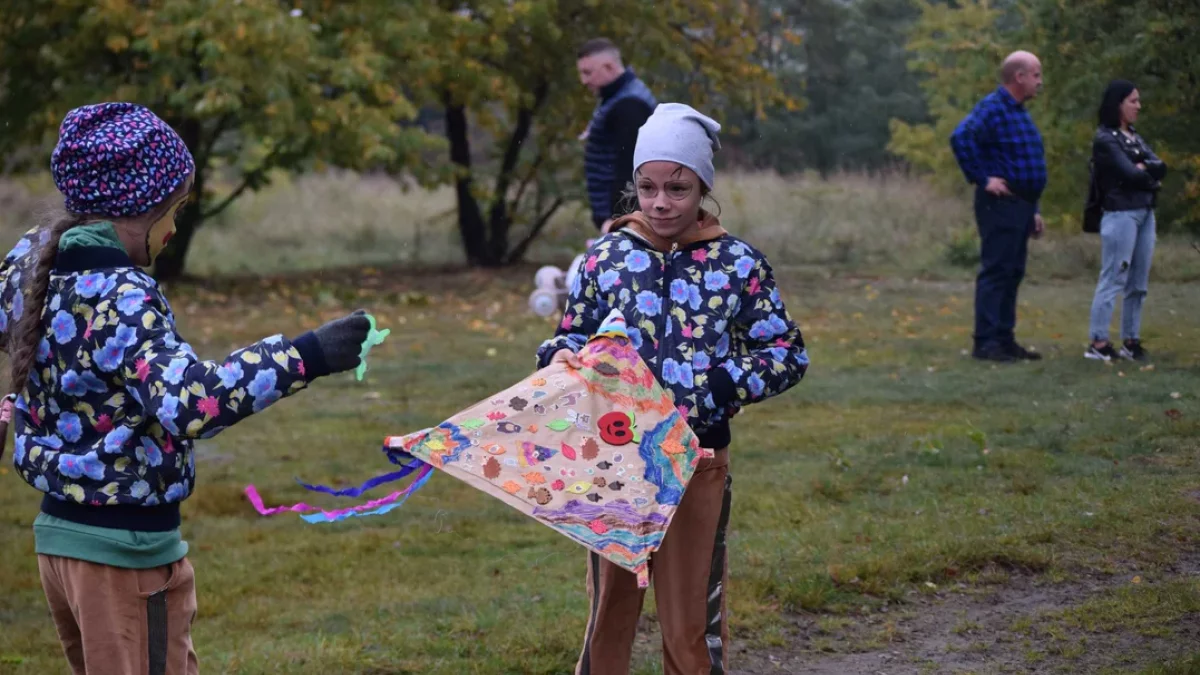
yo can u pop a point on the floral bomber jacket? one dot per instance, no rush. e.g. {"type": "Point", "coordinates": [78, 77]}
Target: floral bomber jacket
{"type": "Point", "coordinates": [706, 317]}
{"type": "Point", "coordinates": [105, 425]}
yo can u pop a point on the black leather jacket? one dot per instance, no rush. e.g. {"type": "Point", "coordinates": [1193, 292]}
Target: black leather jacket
{"type": "Point", "coordinates": [1123, 186]}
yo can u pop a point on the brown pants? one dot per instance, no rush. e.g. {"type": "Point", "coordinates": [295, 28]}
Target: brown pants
{"type": "Point", "coordinates": [116, 621]}
{"type": "Point", "coordinates": [689, 572]}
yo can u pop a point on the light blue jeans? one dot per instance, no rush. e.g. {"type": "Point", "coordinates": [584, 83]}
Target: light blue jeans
{"type": "Point", "coordinates": [1127, 245]}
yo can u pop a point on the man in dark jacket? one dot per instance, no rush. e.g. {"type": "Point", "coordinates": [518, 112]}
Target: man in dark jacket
{"type": "Point", "coordinates": [1000, 151]}
{"type": "Point", "coordinates": [625, 103]}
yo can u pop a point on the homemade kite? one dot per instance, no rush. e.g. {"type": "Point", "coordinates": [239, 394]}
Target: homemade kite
{"type": "Point", "coordinates": [599, 454]}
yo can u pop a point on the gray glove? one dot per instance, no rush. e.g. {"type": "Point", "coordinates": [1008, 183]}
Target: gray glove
{"type": "Point", "coordinates": [341, 341]}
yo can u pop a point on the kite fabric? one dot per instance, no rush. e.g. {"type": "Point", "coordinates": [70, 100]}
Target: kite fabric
{"type": "Point", "coordinates": [599, 454]}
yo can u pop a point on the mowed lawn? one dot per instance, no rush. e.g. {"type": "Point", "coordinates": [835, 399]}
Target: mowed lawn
{"type": "Point", "coordinates": [898, 468]}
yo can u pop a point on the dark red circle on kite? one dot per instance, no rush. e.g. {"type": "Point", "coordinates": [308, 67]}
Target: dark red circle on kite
{"type": "Point", "coordinates": [615, 429]}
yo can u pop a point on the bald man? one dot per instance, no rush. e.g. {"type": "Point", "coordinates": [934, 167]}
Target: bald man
{"type": "Point", "coordinates": [623, 106]}
{"type": "Point", "coordinates": [1000, 152]}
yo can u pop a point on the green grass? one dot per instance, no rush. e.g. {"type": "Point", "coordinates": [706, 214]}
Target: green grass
{"type": "Point", "coordinates": [1058, 467]}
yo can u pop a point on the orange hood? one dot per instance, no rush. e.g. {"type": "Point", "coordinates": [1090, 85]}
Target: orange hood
{"type": "Point", "coordinates": [710, 228]}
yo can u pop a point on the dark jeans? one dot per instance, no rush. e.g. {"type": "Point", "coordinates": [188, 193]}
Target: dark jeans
{"type": "Point", "coordinates": [1005, 224]}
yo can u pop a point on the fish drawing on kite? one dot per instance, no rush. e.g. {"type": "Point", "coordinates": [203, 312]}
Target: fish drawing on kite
{"type": "Point", "coordinates": [604, 462]}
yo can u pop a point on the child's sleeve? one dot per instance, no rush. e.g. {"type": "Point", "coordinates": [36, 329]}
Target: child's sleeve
{"type": "Point", "coordinates": [12, 299]}
{"type": "Point", "coordinates": [192, 398]}
{"type": "Point", "coordinates": [772, 359]}
{"type": "Point", "coordinates": [582, 317]}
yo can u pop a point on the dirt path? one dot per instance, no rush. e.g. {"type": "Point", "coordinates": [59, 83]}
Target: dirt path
{"type": "Point", "coordinates": [995, 629]}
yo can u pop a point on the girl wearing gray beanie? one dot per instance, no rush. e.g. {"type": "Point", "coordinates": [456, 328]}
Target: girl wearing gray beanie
{"type": "Point", "coordinates": [703, 310]}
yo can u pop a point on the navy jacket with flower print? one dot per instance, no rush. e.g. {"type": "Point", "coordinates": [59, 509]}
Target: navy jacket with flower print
{"type": "Point", "coordinates": [105, 425]}
{"type": "Point", "coordinates": [706, 317]}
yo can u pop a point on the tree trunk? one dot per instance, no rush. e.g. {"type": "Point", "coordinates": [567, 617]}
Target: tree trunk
{"type": "Point", "coordinates": [500, 218]}
{"type": "Point", "coordinates": [171, 262]}
{"type": "Point", "coordinates": [470, 218]}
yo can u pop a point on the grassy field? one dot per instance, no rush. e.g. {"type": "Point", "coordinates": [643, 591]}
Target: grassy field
{"type": "Point", "coordinates": [905, 509]}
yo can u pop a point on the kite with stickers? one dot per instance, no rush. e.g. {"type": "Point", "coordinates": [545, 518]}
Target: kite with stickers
{"type": "Point", "coordinates": [599, 454]}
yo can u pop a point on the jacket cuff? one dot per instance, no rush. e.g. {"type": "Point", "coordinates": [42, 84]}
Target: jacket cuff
{"type": "Point", "coordinates": [722, 387]}
{"type": "Point", "coordinates": [547, 354]}
{"type": "Point", "coordinates": [313, 356]}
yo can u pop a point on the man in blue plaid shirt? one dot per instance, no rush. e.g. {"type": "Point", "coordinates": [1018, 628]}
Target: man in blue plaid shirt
{"type": "Point", "coordinates": [1000, 151]}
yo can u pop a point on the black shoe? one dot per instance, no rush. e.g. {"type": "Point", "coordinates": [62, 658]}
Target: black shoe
{"type": "Point", "coordinates": [1132, 350]}
{"type": "Point", "coordinates": [1105, 353]}
{"type": "Point", "coordinates": [1022, 353]}
{"type": "Point", "coordinates": [994, 353]}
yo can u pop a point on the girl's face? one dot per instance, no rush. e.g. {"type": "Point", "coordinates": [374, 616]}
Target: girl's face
{"type": "Point", "coordinates": [163, 229]}
{"type": "Point", "coordinates": [669, 196]}
{"type": "Point", "coordinates": [1130, 107]}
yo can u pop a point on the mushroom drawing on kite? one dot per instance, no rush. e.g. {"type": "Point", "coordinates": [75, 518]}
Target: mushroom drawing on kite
{"type": "Point", "coordinates": [599, 454]}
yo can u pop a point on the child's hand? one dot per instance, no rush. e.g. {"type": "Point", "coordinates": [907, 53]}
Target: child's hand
{"type": "Point", "coordinates": [341, 340]}
{"type": "Point", "coordinates": [567, 357]}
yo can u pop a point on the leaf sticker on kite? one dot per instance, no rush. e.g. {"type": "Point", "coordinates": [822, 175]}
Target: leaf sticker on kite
{"type": "Point", "coordinates": [535, 478]}
{"type": "Point", "coordinates": [606, 369]}
{"type": "Point", "coordinates": [568, 452]}
{"type": "Point", "coordinates": [473, 424]}
{"type": "Point", "coordinates": [581, 487]}
{"type": "Point", "coordinates": [511, 487]}
{"type": "Point", "coordinates": [591, 449]}
{"type": "Point", "coordinates": [491, 469]}
{"type": "Point", "coordinates": [559, 425]}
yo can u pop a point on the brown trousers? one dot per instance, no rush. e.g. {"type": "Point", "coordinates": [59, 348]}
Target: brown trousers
{"type": "Point", "coordinates": [116, 621]}
{"type": "Point", "coordinates": [689, 572]}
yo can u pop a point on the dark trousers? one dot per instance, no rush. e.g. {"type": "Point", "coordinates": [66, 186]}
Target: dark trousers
{"type": "Point", "coordinates": [1005, 224]}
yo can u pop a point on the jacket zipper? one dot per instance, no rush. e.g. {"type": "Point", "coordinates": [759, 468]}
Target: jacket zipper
{"type": "Point", "coordinates": [669, 263]}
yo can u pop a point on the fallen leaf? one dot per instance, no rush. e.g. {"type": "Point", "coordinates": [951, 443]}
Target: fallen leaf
{"type": "Point", "coordinates": [1175, 394]}
{"type": "Point", "coordinates": [1174, 414]}
{"type": "Point", "coordinates": [1137, 580]}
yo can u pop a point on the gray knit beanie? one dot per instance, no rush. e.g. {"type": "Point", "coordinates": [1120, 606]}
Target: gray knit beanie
{"type": "Point", "coordinates": [678, 133]}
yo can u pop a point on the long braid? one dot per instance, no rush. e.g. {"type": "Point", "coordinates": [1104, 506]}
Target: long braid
{"type": "Point", "coordinates": [28, 331]}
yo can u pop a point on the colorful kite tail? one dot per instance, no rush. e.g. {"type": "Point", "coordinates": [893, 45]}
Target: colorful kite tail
{"type": "Point", "coordinates": [373, 507]}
